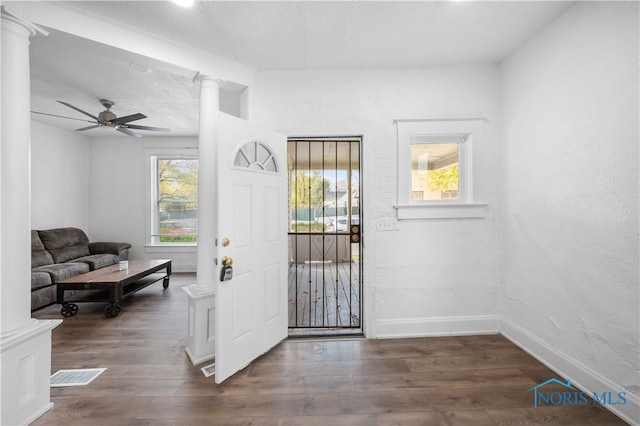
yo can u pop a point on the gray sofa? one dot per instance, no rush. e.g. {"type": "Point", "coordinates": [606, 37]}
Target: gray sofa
{"type": "Point", "coordinates": [57, 254]}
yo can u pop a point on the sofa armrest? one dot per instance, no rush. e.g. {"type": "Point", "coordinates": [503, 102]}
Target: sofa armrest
{"type": "Point", "coordinates": [119, 249]}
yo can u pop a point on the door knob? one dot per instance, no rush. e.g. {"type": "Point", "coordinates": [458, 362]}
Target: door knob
{"type": "Point", "coordinates": [227, 261]}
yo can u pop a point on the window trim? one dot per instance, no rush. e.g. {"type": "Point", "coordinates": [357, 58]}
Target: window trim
{"type": "Point", "coordinates": [468, 132]}
{"type": "Point", "coordinates": [152, 244]}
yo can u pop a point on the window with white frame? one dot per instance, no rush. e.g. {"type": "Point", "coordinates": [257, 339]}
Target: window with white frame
{"type": "Point", "coordinates": [438, 165]}
{"type": "Point", "coordinates": [174, 198]}
{"type": "Point", "coordinates": [435, 170]}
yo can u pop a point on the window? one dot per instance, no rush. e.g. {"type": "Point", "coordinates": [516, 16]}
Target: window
{"type": "Point", "coordinates": [437, 164]}
{"type": "Point", "coordinates": [256, 155]}
{"type": "Point", "coordinates": [174, 199]}
{"type": "Point", "coordinates": [434, 171]}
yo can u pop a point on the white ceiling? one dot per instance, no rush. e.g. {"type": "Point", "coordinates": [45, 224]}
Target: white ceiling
{"type": "Point", "coordinates": [81, 72]}
{"type": "Point", "coordinates": [283, 35]}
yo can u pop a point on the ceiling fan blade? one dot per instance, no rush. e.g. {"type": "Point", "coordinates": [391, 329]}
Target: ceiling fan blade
{"type": "Point", "coordinates": [152, 129]}
{"type": "Point", "coordinates": [61, 116]}
{"type": "Point", "coordinates": [127, 118]}
{"type": "Point", "coordinates": [79, 110]}
{"type": "Point", "coordinates": [88, 128]}
{"type": "Point", "coordinates": [127, 132]}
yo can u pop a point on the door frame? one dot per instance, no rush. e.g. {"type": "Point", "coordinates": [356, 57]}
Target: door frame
{"type": "Point", "coordinates": [364, 326]}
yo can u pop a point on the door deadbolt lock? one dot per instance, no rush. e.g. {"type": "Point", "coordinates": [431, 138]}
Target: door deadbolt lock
{"type": "Point", "coordinates": [225, 242]}
{"type": "Point", "coordinates": [355, 233]}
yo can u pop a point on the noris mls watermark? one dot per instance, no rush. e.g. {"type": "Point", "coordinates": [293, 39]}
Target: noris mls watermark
{"type": "Point", "coordinates": [568, 395]}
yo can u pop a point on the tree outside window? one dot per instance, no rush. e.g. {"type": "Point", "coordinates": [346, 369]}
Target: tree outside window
{"type": "Point", "coordinates": [307, 194]}
{"type": "Point", "coordinates": [177, 200]}
{"type": "Point", "coordinates": [434, 171]}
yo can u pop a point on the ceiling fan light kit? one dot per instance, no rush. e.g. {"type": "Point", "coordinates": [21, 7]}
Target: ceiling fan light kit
{"type": "Point", "coordinates": [110, 120]}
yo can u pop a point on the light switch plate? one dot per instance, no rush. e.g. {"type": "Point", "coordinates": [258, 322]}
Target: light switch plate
{"type": "Point", "coordinates": [387, 224]}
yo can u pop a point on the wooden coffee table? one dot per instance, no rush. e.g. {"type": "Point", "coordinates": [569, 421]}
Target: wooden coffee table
{"type": "Point", "coordinates": [110, 284]}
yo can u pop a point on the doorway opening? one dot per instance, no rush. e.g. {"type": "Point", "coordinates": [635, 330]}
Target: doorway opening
{"type": "Point", "coordinates": [325, 264]}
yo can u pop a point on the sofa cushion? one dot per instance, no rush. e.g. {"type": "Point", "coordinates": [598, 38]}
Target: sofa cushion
{"type": "Point", "coordinates": [36, 242]}
{"type": "Point", "coordinates": [43, 297]}
{"type": "Point", "coordinates": [39, 280]}
{"type": "Point", "coordinates": [65, 244]}
{"type": "Point", "coordinates": [39, 256]}
{"type": "Point", "coordinates": [120, 249]}
{"type": "Point", "coordinates": [97, 261]}
{"type": "Point", "coordinates": [62, 271]}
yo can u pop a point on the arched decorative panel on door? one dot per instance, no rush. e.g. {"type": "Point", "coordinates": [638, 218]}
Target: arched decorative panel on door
{"type": "Point", "coordinates": [256, 155]}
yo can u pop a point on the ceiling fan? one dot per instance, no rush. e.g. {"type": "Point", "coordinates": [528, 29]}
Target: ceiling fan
{"type": "Point", "coordinates": [108, 119]}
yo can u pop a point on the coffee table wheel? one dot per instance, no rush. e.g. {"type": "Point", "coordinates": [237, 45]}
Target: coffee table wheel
{"type": "Point", "coordinates": [68, 310]}
{"type": "Point", "coordinates": [165, 283]}
{"type": "Point", "coordinates": [112, 310]}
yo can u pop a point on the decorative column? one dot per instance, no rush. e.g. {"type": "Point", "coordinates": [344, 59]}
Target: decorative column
{"type": "Point", "coordinates": [25, 343]}
{"type": "Point", "coordinates": [201, 338]}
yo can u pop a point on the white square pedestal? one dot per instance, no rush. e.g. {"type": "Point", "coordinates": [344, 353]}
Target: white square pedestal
{"type": "Point", "coordinates": [25, 372]}
{"type": "Point", "coordinates": [201, 341]}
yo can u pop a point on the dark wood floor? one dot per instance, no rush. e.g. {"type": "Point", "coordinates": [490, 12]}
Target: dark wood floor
{"type": "Point", "coordinates": [481, 380]}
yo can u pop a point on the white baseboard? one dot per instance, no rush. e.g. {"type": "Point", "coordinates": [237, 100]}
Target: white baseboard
{"type": "Point", "coordinates": [188, 268]}
{"type": "Point", "coordinates": [38, 414]}
{"type": "Point", "coordinates": [432, 327]}
{"type": "Point", "coordinates": [197, 361]}
{"type": "Point", "coordinates": [565, 366]}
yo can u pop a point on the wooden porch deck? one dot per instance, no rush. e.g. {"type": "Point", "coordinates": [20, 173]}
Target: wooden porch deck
{"type": "Point", "coordinates": [324, 295]}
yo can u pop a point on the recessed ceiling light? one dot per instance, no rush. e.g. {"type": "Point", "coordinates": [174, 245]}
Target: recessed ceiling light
{"type": "Point", "coordinates": [183, 3]}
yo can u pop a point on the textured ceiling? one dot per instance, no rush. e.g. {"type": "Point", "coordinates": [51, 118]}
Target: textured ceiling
{"type": "Point", "coordinates": [337, 34]}
{"type": "Point", "coordinates": [264, 35]}
{"type": "Point", "coordinates": [81, 72]}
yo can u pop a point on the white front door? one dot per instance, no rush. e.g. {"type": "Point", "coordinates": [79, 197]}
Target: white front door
{"type": "Point", "coordinates": [251, 307]}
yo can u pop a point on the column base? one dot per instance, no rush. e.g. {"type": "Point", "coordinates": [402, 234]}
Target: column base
{"type": "Point", "coordinates": [201, 342]}
{"type": "Point", "coordinates": [26, 372]}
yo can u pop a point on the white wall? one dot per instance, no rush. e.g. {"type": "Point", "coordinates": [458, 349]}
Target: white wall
{"type": "Point", "coordinates": [118, 205]}
{"type": "Point", "coordinates": [59, 178]}
{"type": "Point", "coordinates": [570, 239]}
{"type": "Point", "coordinates": [429, 277]}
